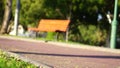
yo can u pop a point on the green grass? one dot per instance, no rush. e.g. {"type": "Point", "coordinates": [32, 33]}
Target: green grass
{"type": "Point", "coordinates": [12, 62]}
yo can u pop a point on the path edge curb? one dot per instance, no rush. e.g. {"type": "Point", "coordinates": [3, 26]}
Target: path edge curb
{"type": "Point", "coordinates": [17, 56]}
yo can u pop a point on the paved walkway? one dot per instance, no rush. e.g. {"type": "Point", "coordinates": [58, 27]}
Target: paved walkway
{"type": "Point", "coordinates": [64, 56]}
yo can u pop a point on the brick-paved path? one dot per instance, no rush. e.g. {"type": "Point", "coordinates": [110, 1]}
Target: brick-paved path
{"type": "Point", "coordinates": [61, 57]}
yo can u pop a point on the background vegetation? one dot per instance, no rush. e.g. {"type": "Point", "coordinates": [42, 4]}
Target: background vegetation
{"type": "Point", "coordinates": [88, 25]}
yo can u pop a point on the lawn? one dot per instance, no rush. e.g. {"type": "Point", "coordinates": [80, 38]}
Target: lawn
{"type": "Point", "coordinates": [11, 62]}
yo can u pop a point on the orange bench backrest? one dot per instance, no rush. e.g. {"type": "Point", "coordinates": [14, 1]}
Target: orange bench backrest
{"type": "Point", "coordinates": [53, 25]}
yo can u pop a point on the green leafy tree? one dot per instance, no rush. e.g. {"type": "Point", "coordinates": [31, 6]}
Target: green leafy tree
{"type": "Point", "coordinates": [30, 11]}
{"type": "Point", "coordinates": [57, 9]}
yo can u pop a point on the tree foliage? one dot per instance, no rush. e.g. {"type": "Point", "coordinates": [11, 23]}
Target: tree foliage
{"type": "Point", "coordinates": [30, 11]}
{"type": "Point", "coordinates": [57, 9]}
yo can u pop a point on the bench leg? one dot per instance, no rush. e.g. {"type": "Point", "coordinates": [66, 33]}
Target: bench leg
{"type": "Point", "coordinates": [32, 34]}
{"type": "Point", "coordinates": [60, 36]}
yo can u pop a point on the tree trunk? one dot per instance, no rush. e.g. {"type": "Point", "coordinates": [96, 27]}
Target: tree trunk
{"type": "Point", "coordinates": [7, 16]}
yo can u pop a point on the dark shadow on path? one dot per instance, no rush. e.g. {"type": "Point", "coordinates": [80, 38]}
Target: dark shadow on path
{"type": "Point", "coordinates": [69, 55]}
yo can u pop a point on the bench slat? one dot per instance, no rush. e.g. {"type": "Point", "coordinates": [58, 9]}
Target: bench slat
{"type": "Point", "coordinates": [48, 25]}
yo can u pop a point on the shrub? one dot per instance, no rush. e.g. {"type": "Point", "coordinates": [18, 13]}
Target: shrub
{"type": "Point", "coordinates": [89, 34]}
{"type": "Point", "coordinates": [92, 35]}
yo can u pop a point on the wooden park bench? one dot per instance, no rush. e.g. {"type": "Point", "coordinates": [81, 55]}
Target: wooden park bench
{"type": "Point", "coordinates": [52, 25]}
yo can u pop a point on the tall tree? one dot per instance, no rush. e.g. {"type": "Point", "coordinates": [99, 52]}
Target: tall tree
{"type": "Point", "coordinates": [7, 16]}
{"type": "Point", "coordinates": [1, 10]}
